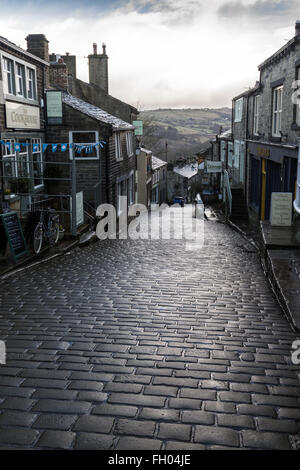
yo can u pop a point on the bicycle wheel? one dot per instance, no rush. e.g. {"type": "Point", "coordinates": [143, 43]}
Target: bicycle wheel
{"type": "Point", "coordinates": [53, 227]}
{"type": "Point", "coordinates": [38, 238]}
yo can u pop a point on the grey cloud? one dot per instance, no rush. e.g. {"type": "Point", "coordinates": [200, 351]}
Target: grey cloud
{"type": "Point", "coordinates": [261, 9]}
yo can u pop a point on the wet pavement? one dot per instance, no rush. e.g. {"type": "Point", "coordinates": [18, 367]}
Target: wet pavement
{"type": "Point", "coordinates": [142, 344]}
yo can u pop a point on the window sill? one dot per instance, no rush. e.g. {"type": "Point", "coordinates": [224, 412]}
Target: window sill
{"type": "Point", "coordinates": [20, 99]}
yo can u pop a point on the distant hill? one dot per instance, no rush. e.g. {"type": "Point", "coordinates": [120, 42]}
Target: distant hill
{"type": "Point", "coordinates": [185, 130]}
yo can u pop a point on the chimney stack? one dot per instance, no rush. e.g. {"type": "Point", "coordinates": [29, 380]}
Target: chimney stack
{"type": "Point", "coordinates": [297, 28]}
{"type": "Point", "coordinates": [98, 68]}
{"type": "Point", "coordinates": [37, 44]}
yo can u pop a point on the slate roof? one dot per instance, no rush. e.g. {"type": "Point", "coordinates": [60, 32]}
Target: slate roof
{"type": "Point", "coordinates": [95, 113]}
{"type": "Point", "coordinates": [157, 163]}
{"type": "Point", "coordinates": [187, 171]}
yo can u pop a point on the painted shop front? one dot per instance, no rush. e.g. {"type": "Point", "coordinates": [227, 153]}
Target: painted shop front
{"type": "Point", "coordinates": [273, 168]}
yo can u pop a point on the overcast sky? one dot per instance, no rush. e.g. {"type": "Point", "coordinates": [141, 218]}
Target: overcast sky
{"type": "Point", "coordinates": [162, 53]}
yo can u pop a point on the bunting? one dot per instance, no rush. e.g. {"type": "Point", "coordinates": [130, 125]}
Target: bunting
{"type": "Point", "coordinates": [78, 148]}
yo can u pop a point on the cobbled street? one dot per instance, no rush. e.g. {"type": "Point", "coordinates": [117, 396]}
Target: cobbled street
{"type": "Point", "coordinates": [144, 345]}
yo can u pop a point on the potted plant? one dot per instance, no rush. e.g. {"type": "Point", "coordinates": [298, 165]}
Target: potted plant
{"type": "Point", "coordinates": [7, 194]}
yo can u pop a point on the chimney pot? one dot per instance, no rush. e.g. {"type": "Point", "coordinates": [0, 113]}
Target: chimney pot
{"type": "Point", "coordinates": [104, 48]}
{"type": "Point", "coordinates": [94, 48]}
{"type": "Point", "coordinates": [297, 28]}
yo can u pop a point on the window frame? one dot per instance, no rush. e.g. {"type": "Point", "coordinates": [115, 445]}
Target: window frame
{"type": "Point", "coordinates": [16, 61]}
{"type": "Point", "coordinates": [277, 111]}
{"type": "Point", "coordinates": [129, 143]}
{"type": "Point", "coordinates": [77, 156]}
{"type": "Point", "coordinates": [118, 146]}
{"type": "Point", "coordinates": [256, 114]}
{"type": "Point", "coordinates": [238, 109]}
{"type": "Point", "coordinates": [37, 141]}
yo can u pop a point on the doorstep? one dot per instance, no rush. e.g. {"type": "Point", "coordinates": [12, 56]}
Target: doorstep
{"type": "Point", "coordinates": [282, 263]}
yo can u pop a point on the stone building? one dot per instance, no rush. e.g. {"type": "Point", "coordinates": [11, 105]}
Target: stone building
{"type": "Point", "coordinates": [144, 177]}
{"type": "Point", "coordinates": [262, 156]}
{"type": "Point", "coordinates": [159, 180]}
{"type": "Point", "coordinates": [23, 76]}
{"type": "Point", "coordinates": [88, 115]}
{"type": "Point", "coordinates": [181, 180]}
{"type": "Point", "coordinates": [94, 92]}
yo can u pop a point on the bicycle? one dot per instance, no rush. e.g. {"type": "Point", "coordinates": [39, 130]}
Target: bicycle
{"type": "Point", "coordinates": [48, 228]}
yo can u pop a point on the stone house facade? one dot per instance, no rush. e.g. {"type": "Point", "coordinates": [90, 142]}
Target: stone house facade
{"type": "Point", "coordinates": [23, 77]}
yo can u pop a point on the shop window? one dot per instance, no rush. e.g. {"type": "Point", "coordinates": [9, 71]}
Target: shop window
{"type": "Point", "coordinates": [9, 159]}
{"type": "Point", "coordinates": [37, 162]}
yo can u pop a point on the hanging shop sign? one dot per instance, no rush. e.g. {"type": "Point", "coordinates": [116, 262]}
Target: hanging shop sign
{"type": "Point", "coordinates": [138, 127]}
{"type": "Point", "coordinates": [54, 107]}
{"type": "Point", "coordinates": [14, 234]}
{"type": "Point", "coordinates": [213, 167]}
{"type": "Point", "coordinates": [281, 209]}
{"type": "Point", "coordinates": [22, 116]}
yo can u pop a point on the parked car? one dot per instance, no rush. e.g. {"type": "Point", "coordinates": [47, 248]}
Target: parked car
{"type": "Point", "coordinates": [179, 200]}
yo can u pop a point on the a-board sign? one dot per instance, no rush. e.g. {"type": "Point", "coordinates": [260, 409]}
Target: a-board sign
{"type": "Point", "coordinates": [14, 234]}
{"type": "Point", "coordinates": [281, 209]}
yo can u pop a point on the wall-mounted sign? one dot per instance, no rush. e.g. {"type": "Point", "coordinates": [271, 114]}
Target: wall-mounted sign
{"type": "Point", "coordinates": [54, 107]}
{"type": "Point", "coordinates": [21, 116]}
{"type": "Point", "coordinates": [213, 167]}
{"type": "Point", "coordinates": [138, 127]}
{"type": "Point", "coordinates": [263, 152]}
{"type": "Point", "coordinates": [281, 209]}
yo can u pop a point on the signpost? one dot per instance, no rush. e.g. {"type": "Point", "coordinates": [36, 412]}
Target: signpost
{"type": "Point", "coordinates": [281, 209]}
{"type": "Point", "coordinates": [14, 234]}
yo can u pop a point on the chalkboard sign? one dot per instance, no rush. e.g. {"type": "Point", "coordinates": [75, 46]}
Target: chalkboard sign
{"type": "Point", "coordinates": [14, 234]}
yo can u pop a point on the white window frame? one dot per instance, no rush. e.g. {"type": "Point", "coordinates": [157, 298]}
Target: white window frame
{"type": "Point", "coordinates": [8, 75]}
{"type": "Point", "coordinates": [238, 110]}
{"type": "Point", "coordinates": [129, 143]}
{"type": "Point", "coordinates": [15, 76]}
{"type": "Point", "coordinates": [236, 155]}
{"type": "Point", "coordinates": [20, 80]}
{"type": "Point", "coordinates": [31, 83]}
{"type": "Point", "coordinates": [223, 151]}
{"type": "Point", "coordinates": [118, 146]}
{"type": "Point", "coordinates": [40, 162]}
{"type": "Point", "coordinates": [6, 155]}
{"type": "Point", "coordinates": [277, 111]}
{"type": "Point", "coordinates": [78, 156]}
{"type": "Point", "coordinates": [257, 106]}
